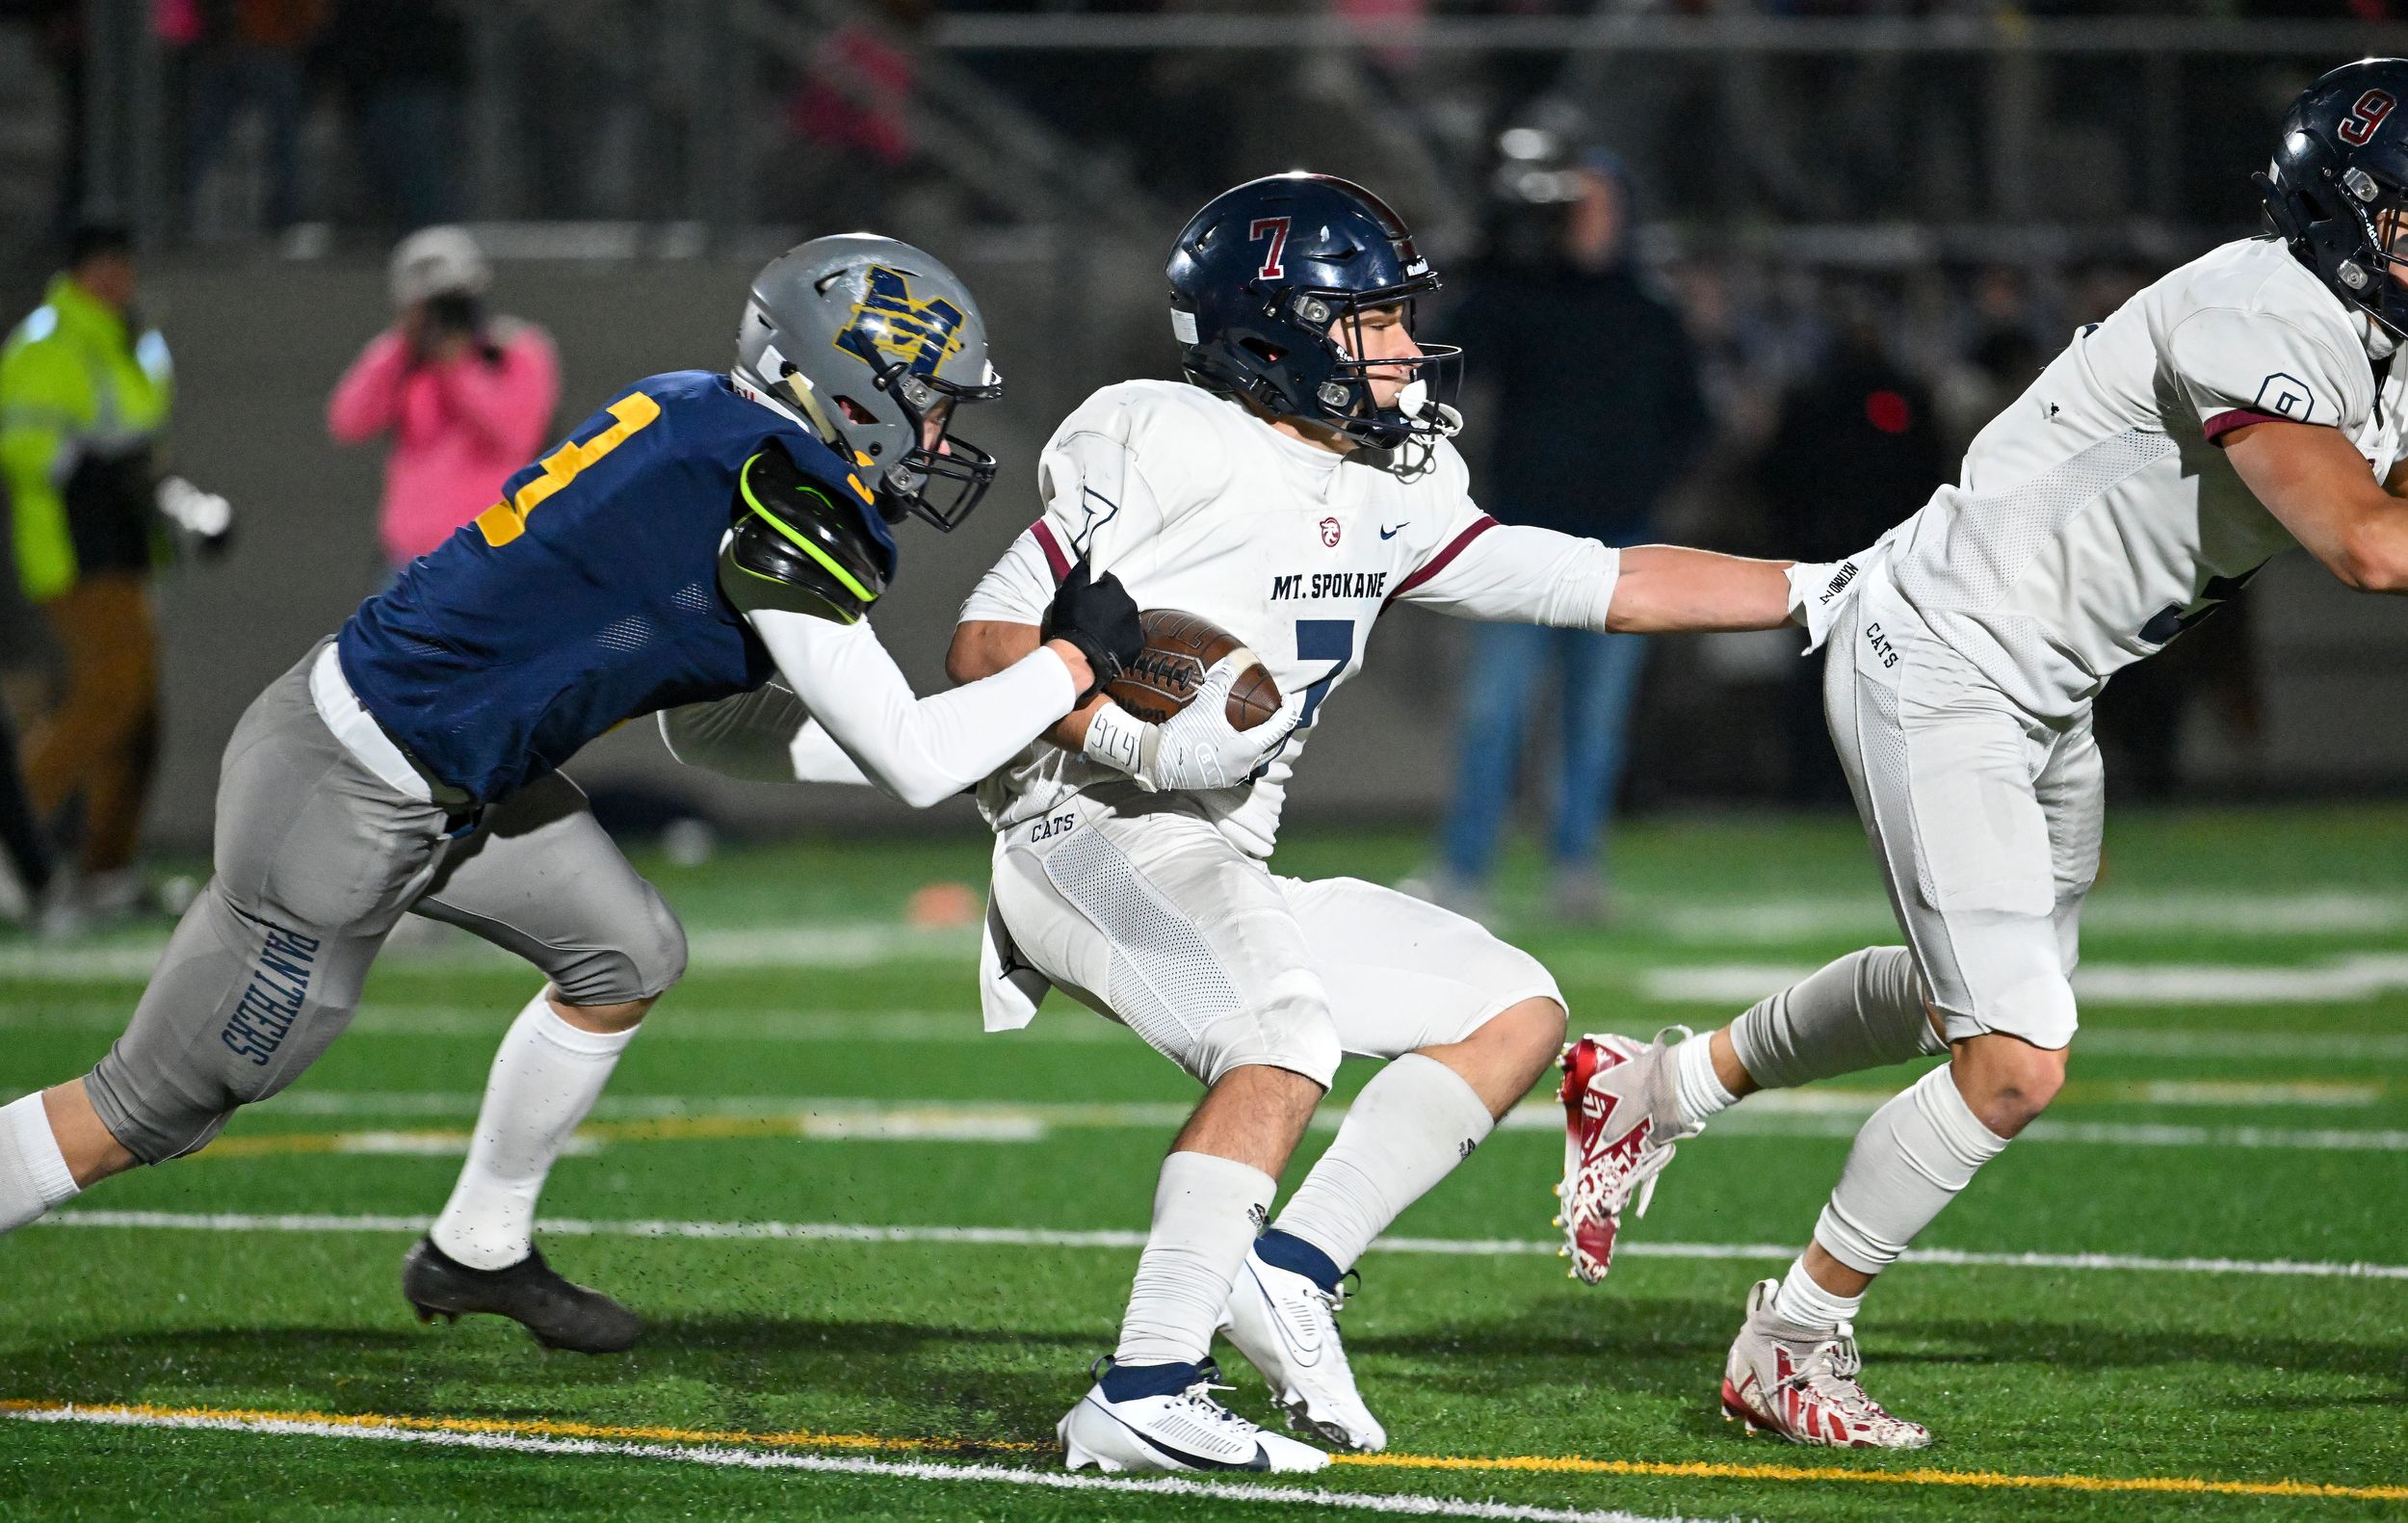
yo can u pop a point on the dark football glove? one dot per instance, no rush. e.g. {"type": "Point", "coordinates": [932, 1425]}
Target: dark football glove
{"type": "Point", "coordinates": [1095, 615]}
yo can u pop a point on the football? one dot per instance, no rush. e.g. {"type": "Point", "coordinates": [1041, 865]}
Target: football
{"type": "Point", "coordinates": [1179, 649]}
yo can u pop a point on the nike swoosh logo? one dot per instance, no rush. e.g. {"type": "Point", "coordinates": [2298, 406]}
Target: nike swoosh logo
{"type": "Point", "coordinates": [1259, 1461]}
{"type": "Point", "coordinates": [1390, 534]}
{"type": "Point", "coordinates": [1303, 1352]}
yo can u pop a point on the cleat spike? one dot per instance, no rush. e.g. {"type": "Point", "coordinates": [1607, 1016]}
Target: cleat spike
{"type": "Point", "coordinates": [1556, 1222]}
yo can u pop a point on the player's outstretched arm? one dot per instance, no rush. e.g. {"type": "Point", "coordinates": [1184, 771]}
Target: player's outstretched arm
{"type": "Point", "coordinates": [920, 751]}
{"type": "Point", "coordinates": [805, 571]}
{"type": "Point", "coordinates": [985, 646]}
{"type": "Point", "coordinates": [2314, 481]}
{"type": "Point", "coordinates": [1667, 589]}
{"type": "Point", "coordinates": [1516, 574]}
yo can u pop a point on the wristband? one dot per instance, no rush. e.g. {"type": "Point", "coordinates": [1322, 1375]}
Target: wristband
{"type": "Point", "coordinates": [1818, 591]}
{"type": "Point", "coordinates": [1117, 739]}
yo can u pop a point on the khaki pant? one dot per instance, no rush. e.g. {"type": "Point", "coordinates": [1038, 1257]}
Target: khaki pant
{"type": "Point", "coordinates": [102, 742]}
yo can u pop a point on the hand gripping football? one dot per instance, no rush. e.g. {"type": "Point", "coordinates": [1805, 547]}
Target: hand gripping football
{"type": "Point", "coordinates": [1179, 649]}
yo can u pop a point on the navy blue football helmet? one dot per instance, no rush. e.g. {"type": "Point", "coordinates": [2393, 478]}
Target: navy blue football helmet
{"type": "Point", "coordinates": [2338, 188]}
{"type": "Point", "coordinates": [1259, 278]}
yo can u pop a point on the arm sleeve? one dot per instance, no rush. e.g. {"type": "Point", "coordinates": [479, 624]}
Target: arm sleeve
{"type": "Point", "coordinates": [1019, 587]}
{"type": "Point", "coordinates": [761, 736]}
{"type": "Point", "coordinates": [919, 750]}
{"type": "Point", "coordinates": [509, 402]}
{"type": "Point", "coordinates": [367, 398]}
{"type": "Point", "coordinates": [2239, 367]}
{"type": "Point", "coordinates": [1511, 573]}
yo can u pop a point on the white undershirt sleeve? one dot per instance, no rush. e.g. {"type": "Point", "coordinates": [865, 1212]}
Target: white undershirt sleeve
{"type": "Point", "coordinates": [1016, 589]}
{"type": "Point", "coordinates": [1511, 573]}
{"type": "Point", "coordinates": [919, 750]}
{"type": "Point", "coordinates": [749, 736]}
{"type": "Point", "coordinates": [813, 757]}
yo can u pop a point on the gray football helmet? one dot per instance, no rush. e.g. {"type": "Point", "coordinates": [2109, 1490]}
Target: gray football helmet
{"type": "Point", "coordinates": [872, 341]}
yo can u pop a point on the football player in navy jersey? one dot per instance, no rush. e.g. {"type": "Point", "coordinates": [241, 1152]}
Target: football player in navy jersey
{"type": "Point", "coordinates": [700, 535]}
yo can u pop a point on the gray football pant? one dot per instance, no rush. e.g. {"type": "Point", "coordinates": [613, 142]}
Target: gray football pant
{"type": "Point", "coordinates": [316, 860]}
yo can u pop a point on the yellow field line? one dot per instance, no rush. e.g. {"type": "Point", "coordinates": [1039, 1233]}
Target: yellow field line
{"type": "Point", "coordinates": [1542, 1464]}
{"type": "Point", "coordinates": [541, 1428]}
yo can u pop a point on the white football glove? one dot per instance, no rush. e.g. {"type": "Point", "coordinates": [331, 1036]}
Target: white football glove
{"type": "Point", "coordinates": [1196, 749]}
{"type": "Point", "coordinates": [203, 519]}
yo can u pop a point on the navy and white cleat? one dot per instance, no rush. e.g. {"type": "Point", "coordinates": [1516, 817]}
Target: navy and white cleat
{"type": "Point", "coordinates": [1286, 1328]}
{"type": "Point", "coordinates": [1164, 1417]}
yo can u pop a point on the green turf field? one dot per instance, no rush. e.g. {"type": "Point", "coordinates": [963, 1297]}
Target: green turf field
{"type": "Point", "coordinates": [2241, 1094]}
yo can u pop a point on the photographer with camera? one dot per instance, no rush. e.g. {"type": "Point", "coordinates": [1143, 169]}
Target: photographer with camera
{"type": "Point", "coordinates": [465, 395]}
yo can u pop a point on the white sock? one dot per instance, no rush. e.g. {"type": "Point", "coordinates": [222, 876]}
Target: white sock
{"type": "Point", "coordinates": [1911, 1159]}
{"type": "Point", "coordinates": [1406, 1131]}
{"type": "Point", "coordinates": [34, 1175]}
{"type": "Point", "coordinates": [1865, 1011]}
{"type": "Point", "coordinates": [1207, 1211]}
{"type": "Point", "coordinates": [545, 1080]}
{"type": "Point", "coordinates": [1698, 1091]}
{"type": "Point", "coordinates": [1807, 1304]}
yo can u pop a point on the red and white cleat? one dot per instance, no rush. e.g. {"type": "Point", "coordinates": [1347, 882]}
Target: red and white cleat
{"type": "Point", "coordinates": [1620, 1123]}
{"type": "Point", "coordinates": [1800, 1383]}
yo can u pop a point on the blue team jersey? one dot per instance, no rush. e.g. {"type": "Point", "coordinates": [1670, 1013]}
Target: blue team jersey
{"type": "Point", "coordinates": [586, 596]}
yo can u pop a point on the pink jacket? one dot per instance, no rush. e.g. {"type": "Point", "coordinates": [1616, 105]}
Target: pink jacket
{"type": "Point", "coordinates": [460, 429]}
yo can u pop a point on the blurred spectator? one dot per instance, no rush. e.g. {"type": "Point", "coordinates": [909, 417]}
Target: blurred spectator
{"type": "Point", "coordinates": [84, 389]}
{"type": "Point", "coordinates": [20, 834]}
{"type": "Point", "coordinates": [404, 68]}
{"type": "Point", "coordinates": [250, 54]}
{"type": "Point", "coordinates": [1999, 358]}
{"type": "Point", "coordinates": [58, 33]}
{"type": "Point", "coordinates": [1598, 411]}
{"type": "Point", "coordinates": [1859, 446]}
{"type": "Point", "coordinates": [465, 396]}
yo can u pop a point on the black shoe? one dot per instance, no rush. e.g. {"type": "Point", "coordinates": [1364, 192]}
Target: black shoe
{"type": "Point", "coordinates": [529, 1293]}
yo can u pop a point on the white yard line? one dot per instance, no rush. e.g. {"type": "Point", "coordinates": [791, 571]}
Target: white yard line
{"type": "Point", "coordinates": [1776, 921]}
{"type": "Point", "coordinates": [726, 1458]}
{"type": "Point", "coordinates": [1037, 1237]}
{"type": "Point", "coordinates": [692, 1020]}
{"type": "Point", "coordinates": [649, 1119]}
{"type": "Point", "coordinates": [1821, 1100]}
{"type": "Point", "coordinates": [684, 1018]}
{"type": "Point", "coordinates": [1773, 921]}
{"type": "Point", "coordinates": [2337, 981]}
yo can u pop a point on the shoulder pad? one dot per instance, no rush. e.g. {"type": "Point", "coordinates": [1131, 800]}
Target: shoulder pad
{"type": "Point", "coordinates": [794, 546]}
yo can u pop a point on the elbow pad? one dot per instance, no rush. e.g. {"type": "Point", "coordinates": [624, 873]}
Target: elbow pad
{"type": "Point", "coordinates": [794, 547]}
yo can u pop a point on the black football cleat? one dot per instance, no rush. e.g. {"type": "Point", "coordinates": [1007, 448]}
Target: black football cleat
{"type": "Point", "coordinates": [560, 1314]}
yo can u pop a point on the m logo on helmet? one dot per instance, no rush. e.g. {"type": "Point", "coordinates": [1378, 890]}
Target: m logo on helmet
{"type": "Point", "coordinates": [2358, 127]}
{"type": "Point", "coordinates": [889, 327]}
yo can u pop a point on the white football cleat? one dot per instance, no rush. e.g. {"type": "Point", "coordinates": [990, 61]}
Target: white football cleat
{"type": "Point", "coordinates": [1287, 1326]}
{"type": "Point", "coordinates": [1800, 1383]}
{"type": "Point", "coordinates": [1181, 1428]}
{"type": "Point", "coordinates": [1620, 1122]}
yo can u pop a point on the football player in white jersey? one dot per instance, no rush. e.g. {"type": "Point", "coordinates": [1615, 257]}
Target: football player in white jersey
{"type": "Point", "coordinates": [1297, 484]}
{"type": "Point", "coordinates": [2248, 402]}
